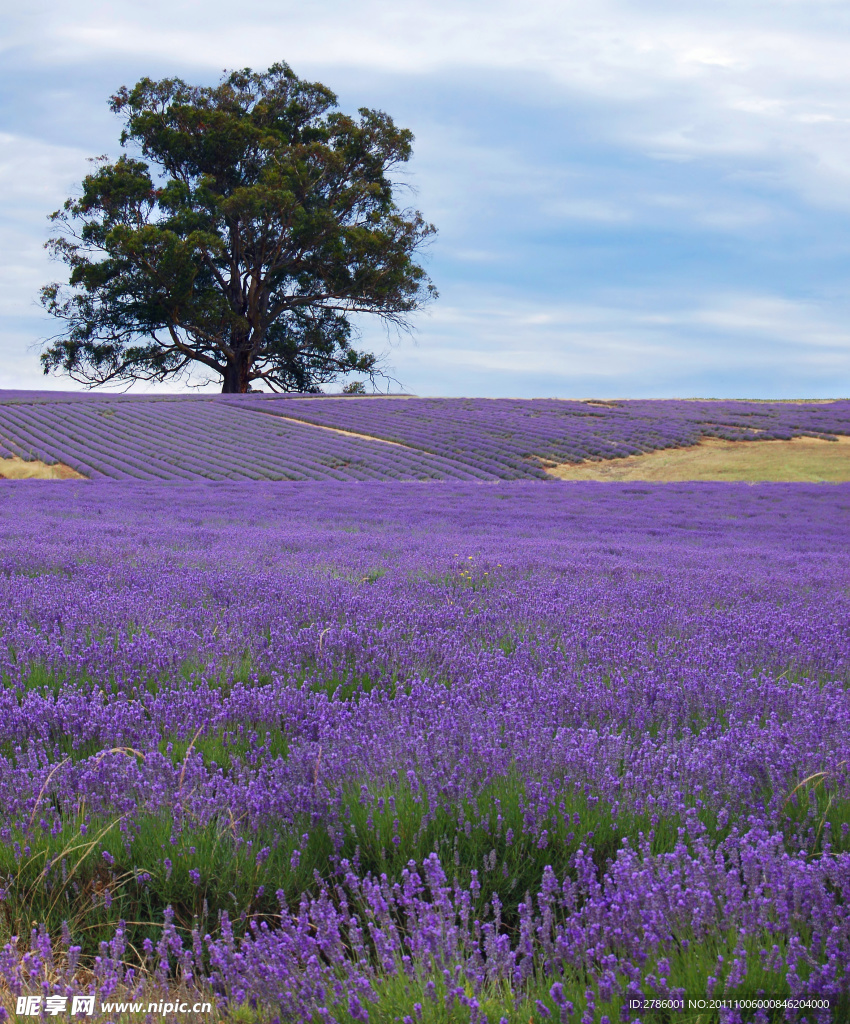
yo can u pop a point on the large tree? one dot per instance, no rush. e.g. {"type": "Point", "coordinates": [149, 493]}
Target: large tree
{"type": "Point", "coordinates": [253, 223]}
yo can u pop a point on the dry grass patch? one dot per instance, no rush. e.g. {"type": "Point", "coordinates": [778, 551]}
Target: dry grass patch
{"type": "Point", "coordinates": [21, 469]}
{"type": "Point", "coordinates": [801, 459]}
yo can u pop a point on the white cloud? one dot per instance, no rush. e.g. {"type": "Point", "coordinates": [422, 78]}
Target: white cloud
{"type": "Point", "coordinates": [35, 178]}
{"type": "Point", "coordinates": [801, 324]}
{"type": "Point", "coordinates": [683, 81]}
{"type": "Point", "coordinates": [697, 118]}
{"type": "Point", "coordinates": [622, 347]}
{"type": "Point", "coordinates": [33, 171]}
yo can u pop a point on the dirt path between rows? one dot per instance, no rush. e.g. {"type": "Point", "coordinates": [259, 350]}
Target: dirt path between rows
{"type": "Point", "coordinates": [339, 430]}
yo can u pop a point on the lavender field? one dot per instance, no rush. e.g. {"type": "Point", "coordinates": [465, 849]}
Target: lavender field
{"type": "Point", "coordinates": [463, 752]}
{"type": "Point", "coordinates": [298, 437]}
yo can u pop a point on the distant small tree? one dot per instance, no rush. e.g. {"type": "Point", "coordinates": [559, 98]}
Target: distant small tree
{"type": "Point", "coordinates": [258, 222]}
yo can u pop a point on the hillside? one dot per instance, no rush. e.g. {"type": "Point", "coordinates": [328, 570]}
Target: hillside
{"type": "Point", "coordinates": [298, 437]}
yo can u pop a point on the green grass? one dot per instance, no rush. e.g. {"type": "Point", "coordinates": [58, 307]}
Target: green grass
{"type": "Point", "coordinates": [228, 748]}
{"type": "Point", "coordinates": [379, 830]}
{"type": "Point", "coordinates": [687, 968]}
{"type": "Point", "coordinates": [65, 876]}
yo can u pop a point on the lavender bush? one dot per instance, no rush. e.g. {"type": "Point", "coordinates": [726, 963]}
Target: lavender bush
{"type": "Point", "coordinates": [414, 752]}
{"type": "Point", "coordinates": [126, 438]}
{"type": "Point", "coordinates": [271, 437]}
{"type": "Point", "coordinates": [510, 438]}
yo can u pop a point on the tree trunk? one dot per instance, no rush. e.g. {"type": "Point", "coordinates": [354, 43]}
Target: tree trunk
{"type": "Point", "coordinates": [236, 380]}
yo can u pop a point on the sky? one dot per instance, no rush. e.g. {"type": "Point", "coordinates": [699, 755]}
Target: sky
{"type": "Point", "coordinates": [635, 198]}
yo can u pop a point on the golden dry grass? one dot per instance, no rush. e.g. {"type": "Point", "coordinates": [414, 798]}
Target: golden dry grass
{"type": "Point", "coordinates": [19, 469]}
{"type": "Point", "coordinates": [801, 459]}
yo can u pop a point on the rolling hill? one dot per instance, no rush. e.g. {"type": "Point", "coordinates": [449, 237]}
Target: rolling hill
{"type": "Point", "coordinates": [308, 437]}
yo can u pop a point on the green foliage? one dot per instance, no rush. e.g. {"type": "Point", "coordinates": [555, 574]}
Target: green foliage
{"type": "Point", "coordinates": [63, 875]}
{"type": "Point", "coordinates": [257, 222]}
{"type": "Point", "coordinates": [94, 873]}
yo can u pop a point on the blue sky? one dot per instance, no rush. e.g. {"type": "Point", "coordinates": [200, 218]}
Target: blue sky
{"type": "Point", "coordinates": [635, 198]}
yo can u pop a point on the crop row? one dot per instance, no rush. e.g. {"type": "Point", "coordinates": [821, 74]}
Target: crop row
{"type": "Point", "coordinates": [210, 440]}
{"type": "Point", "coordinates": [511, 437]}
{"type": "Point", "coordinates": [239, 437]}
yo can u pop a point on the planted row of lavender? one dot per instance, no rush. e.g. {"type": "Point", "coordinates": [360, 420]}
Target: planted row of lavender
{"type": "Point", "coordinates": [519, 752]}
{"type": "Point", "coordinates": [186, 440]}
{"type": "Point", "coordinates": [509, 438]}
{"type": "Point", "coordinates": [221, 437]}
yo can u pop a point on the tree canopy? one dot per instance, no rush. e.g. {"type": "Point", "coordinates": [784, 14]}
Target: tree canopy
{"type": "Point", "coordinates": [253, 223]}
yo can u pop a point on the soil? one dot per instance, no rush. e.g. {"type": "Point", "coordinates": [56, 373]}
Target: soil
{"type": "Point", "coordinates": [339, 430]}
